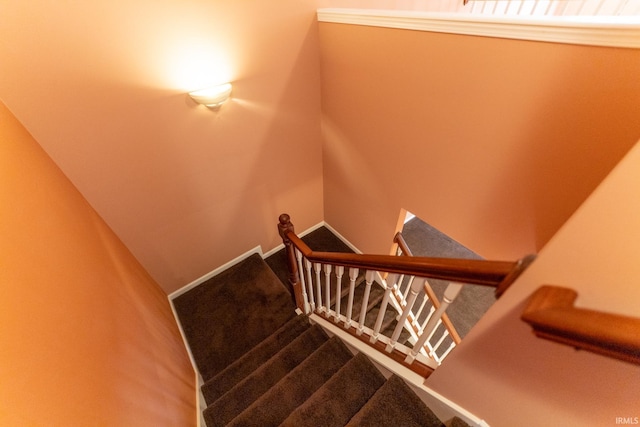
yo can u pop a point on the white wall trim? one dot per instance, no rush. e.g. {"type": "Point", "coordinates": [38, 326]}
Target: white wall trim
{"type": "Point", "coordinates": [618, 31]}
{"type": "Point", "coordinates": [344, 239]}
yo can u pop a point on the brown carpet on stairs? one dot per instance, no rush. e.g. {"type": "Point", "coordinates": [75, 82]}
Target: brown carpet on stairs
{"type": "Point", "coordinates": [383, 408]}
{"type": "Point", "coordinates": [275, 405]}
{"type": "Point", "coordinates": [258, 382]}
{"type": "Point", "coordinates": [244, 366]}
{"type": "Point", "coordinates": [284, 371]}
{"type": "Point", "coordinates": [338, 400]}
{"type": "Point", "coordinates": [247, 297]}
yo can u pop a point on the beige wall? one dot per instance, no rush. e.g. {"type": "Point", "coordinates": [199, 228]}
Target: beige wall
{"type": "Point", "coordinates": [102, 87]}
{"type": "Point", "coordinates": [504, 374]}
{"type": "Point", "coordinates": [86, 335]}
{"type": "Point", "coordinates": [493, 141]}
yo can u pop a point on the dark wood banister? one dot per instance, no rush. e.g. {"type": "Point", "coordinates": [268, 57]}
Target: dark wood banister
{"type": "Point", "coordinates": [479, 272]}
{"type": "Point", "coordinates": [498, 274]}
{"type": "Point", "coordinates": [551, 313]}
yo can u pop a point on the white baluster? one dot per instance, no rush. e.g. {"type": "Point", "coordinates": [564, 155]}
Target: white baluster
{"type": "Point", "coordinates": [432, 310]}
{"type": "Point", "coordinates": [307, 266]}
{"type": "Point", "coordinates": [393, 279]}
{"type": "Point", "coordinates": [353, 275]}
{"type": "Point", "coordinates": [339, 273]}
{"type": "Point", "coordinates": [302, 282]}
{"type": "Point", "coordinates": [450, 295]}
{"type": "Point", "coordinates": [436, 346]}
{"type": "Point", "coordinates": [365, 300]}
{"type": "Point", "coordinates": [316, 269]}
{"type": "Point", "coordinates": [451, 346]}
{"type": "Point", "coordinates": [400, 280]}
{"type": "Point", "coordinates": [327, 287]}
{"type": "Point", "coordinates": [416, 287]}
{"type": "Point", "coordinates": [425, 298]}
{"type": "Point", "coordinates": [408, 288]}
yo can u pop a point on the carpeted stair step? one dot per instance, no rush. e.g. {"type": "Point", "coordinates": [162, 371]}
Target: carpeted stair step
{"type": "Point", "coordinates": [395, 404]}
{"type": "Point", "coordinates": [294, 389]}
{"type": "Point", "coordinates": [341, 397]}
{"type": "Point", "coordinates": [247, 296]}
{"type": "Point", "coordinates": [245, 392]}
{"type": "Point", "coordinates": [243, 367]}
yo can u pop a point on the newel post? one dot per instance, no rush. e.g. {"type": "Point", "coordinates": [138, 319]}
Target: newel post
{"type": "Point", "coordinates": [285, 226]}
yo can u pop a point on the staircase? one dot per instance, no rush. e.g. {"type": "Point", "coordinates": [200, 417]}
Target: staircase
{"type": "Point", "coordinates": [263, 365]}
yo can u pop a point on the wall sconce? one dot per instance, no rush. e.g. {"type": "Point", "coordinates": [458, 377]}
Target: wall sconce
{"type": "Point", "coordinates": [212, 97]}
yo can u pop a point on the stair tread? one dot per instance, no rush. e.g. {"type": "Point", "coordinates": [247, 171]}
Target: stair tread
{"type": "Point", "coordinates": [341, 397]}
{"type": "Point", "coordinates": [247, 294]}
{"type": "Point", "coordinates": [274, 406]}
{"type": "Point", "coordinates": [395, 404]}
{"type": "Point", "coordinates": [248, 390]}
{"type": "Point", "coordinates": [250, 361]}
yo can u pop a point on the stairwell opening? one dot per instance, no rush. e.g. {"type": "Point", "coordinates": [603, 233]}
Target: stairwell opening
{"type": "Point", "coordinates": [425, 240]}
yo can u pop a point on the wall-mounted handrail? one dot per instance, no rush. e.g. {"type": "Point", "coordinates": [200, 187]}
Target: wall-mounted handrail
{"type": "Point", "coordinates": [552, 315]}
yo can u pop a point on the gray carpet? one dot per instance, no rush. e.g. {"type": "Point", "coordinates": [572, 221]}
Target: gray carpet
{"type": "Point", "coordinates": [474, 300]}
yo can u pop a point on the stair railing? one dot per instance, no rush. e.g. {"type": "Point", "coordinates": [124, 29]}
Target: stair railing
{"type": "Point", "coordinates": [316, 283]}
{"type": "Point", "coordinates": [418, 319]}
{"type": "Point", "coordinates": [551, 313]}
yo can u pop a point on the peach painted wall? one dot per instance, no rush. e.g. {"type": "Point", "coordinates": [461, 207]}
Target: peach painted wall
{"type": "Point", "coordinates": [87, 337]}
{"type": "Point", "coordinates": [495, 142]}
{"type": "Point", "coordinates": [505, 375]}
{"type": "Point", "coordinates": [102, 86]}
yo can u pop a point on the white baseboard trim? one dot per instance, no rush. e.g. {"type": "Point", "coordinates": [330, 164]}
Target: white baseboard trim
{"type": "Point", "coordinates": [314, 228]}
{"type": "Point", "coordinates": [344, 240]}
{"type": "Point", "coordinates": [444, 408]}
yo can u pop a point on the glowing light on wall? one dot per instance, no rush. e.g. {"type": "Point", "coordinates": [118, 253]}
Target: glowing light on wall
{"type": "Point", "coordinates": [196, 64]}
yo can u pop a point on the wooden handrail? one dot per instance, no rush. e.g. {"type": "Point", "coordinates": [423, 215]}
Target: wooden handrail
{"type": "Point", "coordinates": [552, 315]}
{"type": "Point", "coordinates": [519, 267]}
{"type": "Point", "coordinates": [404, 247]}
{"type": "Point", "coordinates": [479, 272]}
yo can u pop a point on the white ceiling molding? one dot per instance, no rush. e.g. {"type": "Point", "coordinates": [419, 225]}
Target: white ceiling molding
{"type": "Point", "coordinates": [615, 31]}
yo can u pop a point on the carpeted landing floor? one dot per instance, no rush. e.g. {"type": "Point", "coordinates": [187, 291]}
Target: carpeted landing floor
{"type": "Point", "coordinates": [473, 300]}
{"type": "Point", "coordinates": [265, 366]}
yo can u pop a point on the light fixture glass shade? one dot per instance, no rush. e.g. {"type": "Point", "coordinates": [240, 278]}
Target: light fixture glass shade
{"type": "Point", "coordinates": [213, 96]}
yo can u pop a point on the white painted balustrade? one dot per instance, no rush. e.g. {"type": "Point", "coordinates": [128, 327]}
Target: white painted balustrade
{"type": "Point", "coordinates": [323, 289]}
